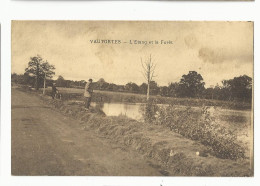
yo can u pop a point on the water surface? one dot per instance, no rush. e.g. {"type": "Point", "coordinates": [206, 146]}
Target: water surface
{"type": "Point", "coordinates": [115, 109]}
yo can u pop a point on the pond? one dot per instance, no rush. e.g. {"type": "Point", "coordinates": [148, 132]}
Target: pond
{"type": "Point", "coordinates": [133, 111]}
{"type": "Point", "coordinates": [115, 109]}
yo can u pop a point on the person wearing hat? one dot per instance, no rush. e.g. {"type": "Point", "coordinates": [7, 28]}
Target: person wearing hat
{"type": "Point", "coordinates": [88, 93]}
{"type": "Point", "coordinates": [54, 91]}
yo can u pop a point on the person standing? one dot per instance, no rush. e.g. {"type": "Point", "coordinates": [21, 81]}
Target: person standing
{"type": "Point", "coordinates": [54, 91]}
{"type": "Point", "coordinates": [88, 93]}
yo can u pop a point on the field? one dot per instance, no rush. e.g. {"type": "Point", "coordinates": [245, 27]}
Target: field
{"type": "Point", "coordinates": [171, 152]}
{"type": "Point", "coordinates": [122, 97]}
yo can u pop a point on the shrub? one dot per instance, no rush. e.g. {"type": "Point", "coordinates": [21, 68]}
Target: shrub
{"type": "Point", "coordinates": [149, 111]}
{"type": "Point", "coordinates": [201, 126]}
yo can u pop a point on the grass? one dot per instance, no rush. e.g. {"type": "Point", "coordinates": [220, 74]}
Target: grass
{"type": "Point", "coordinates": [201, 126]}
{"type": "Point", "coordinates": [173, 151]}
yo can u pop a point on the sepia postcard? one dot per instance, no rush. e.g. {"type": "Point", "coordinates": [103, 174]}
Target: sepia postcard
{"type": "Point", "coordinates": [132, 98]}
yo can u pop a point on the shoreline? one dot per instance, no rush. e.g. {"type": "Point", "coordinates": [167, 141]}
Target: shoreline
{"type": "Point", "coordinates": [173, 151]}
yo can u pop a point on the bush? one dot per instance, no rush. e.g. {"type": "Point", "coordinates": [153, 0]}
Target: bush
{"type": "Point", "coordinates": [201, 126]}
{"type": "Point", "coordinates": [149, 111]}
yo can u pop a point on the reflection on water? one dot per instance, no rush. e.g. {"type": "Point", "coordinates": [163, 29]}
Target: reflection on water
{"type": "Point", "coordinates": [233, 119]}
{"type": "Point", "coordinates": [116, 109]}
{"type": "Point", "coordinates": [132, 110]}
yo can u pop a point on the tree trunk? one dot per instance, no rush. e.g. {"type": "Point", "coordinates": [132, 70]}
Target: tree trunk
{"type": "Point", "coordinates": [37, 76]}
{"type": "Point", "coordinates": [44, 83]}
{"type": "Point", "coordinates": [148, 91]}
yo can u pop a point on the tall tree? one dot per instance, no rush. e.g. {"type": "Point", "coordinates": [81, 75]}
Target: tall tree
{"type": "Point", "coordinates": [39, 69]}
{"type": "Point", "coordinates": [148, 72]}
{"type": "Point", "coordinates": [191, 85]}
{"type": "Point", "coordinates": [239, 87]}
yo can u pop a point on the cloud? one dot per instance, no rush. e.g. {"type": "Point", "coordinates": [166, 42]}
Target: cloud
{"type": "Point", "coordinates": [210, 55]}
{"type": "Point", "coordinates": [221, 55]}
{"type": "Point", "coordinates": [211, 48]}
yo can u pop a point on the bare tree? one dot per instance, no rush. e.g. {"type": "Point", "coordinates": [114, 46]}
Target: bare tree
{"type": "Point", "coordinates": [148, 72]}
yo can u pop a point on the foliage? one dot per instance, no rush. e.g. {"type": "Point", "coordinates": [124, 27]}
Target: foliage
{"type": "Point", "coordinates": [164, 91]}
{"type": "Point", "coordinates": [240, 87]}
{"type": "Point", "coordinates": [149, 111]}
{"type": "Point", "coordinates": [131, 87]}
{"type": "Point", "coordinates": [101, 84]}
{"type": "Point", "coordinates": [154, 88]}
{"type": "Point", "coordinates": [143, 88]}
{"type": "Point", "coordinates": [173, 88]}
{"type": "Point", "coordinates": [39, 69]}
{"type": "Point", "coordinates": [60, 82]}
{"type": "Point", "coordinates": [201, 126]}
{"type": "Point", "coordinates": [23, 79]}
{"type": "Point", "coordinates": [191, 85]}
{"type": "Point", "coordinates": [123, 97]}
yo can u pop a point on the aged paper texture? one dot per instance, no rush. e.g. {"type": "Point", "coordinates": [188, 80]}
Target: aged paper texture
{"type": "Point", "coordinates": [132, 98]}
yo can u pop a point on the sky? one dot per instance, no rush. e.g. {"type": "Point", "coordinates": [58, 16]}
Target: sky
{"type": "Point", "coordinates": [216, 50]}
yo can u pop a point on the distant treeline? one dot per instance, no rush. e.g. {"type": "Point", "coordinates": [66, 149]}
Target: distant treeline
{"type": "Point", "coordinates": [191, 85]}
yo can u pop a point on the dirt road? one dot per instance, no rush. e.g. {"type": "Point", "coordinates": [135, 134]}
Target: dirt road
{"type": "Point", "coordinates": [45, 142]}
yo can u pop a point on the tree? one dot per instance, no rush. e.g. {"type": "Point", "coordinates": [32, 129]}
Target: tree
{"type": "Point", "coordinates": [39, 69]}
{"type": "Point", "coordinates": [61, 82]}
{"type": "Point", "coordinates": [154, 89]}
{"type": "Point", "coordinates": [18, 78]}
{"type": "Point", "coordinates": [191, 85]}
{"type": "Point", "coordinates": [148, 72]}
{"type": "Point", "coordinates": [164, 91]}
{"type": "Point", "coordinates": [112, 87]}
{"type": "Point", "coordinates": [217, 92]}
{"type": "Point", "coordinates": [102, 84]}
{"type": "Point", "coordinates": [239, 87]}
{"type": "Point", "coordinates": [132, 87]}
{"type": "Point", "coordinates": [82, 83]}
{"type": "Point", "coordinates": [225, 91]}
{"type": "Point", "coordinates": [173, 89]}
{"type": "Point", "coordinates": [143, 88]}
{"type": "Point", "coordinates": [209, 93]}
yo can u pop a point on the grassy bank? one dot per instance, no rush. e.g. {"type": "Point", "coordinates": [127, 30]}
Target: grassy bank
{"type": "Point", "coordinates": [199, 125]}
{"type": "Point", "coordinates": [122, 97]}
{"type": "Point", "coordinates": [177, 154]}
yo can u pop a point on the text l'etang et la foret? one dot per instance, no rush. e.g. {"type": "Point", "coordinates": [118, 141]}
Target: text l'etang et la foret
{"type": "Point", "coordinates": [131, 42]}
